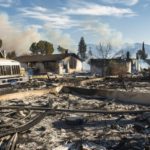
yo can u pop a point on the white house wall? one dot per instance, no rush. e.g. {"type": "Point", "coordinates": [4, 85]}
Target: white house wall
{"type": "Point", "coordinates": [79, 65]}
{"type": "Point", "coordinates": [60, 70]}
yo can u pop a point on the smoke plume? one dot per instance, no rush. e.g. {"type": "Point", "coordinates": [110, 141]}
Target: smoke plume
{"type": "Point", "coordinates": [15, 39]}
{"type": "Point", "coordinates": [143, 64]}
{"type": "Point", "coordinates": [56, 37]}
{"type": "Point", "coordinates": [20, 41]}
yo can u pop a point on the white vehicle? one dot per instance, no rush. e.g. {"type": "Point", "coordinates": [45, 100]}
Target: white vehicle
{"type": "Point", "coordinates": [10, 70]}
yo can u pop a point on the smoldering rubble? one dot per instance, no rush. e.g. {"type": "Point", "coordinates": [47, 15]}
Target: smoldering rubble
{"type": "Point", "coordinates": [73, 121]}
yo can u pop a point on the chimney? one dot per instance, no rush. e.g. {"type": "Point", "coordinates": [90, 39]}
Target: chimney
{"type": "Point", "coordinates": [128, 55]}
{"type": "Point", "coordinates": [137, 56]}
{"type": "Point", "coordinates": [67, 51]}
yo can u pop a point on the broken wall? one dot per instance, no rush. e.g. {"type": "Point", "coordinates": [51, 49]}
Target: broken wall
{"type": "Point", "coordinates": [97, 65]}
{"type": "Point", "coordinates": [40, 66]}
{"type": "Point", "coordinates": [79, 64]}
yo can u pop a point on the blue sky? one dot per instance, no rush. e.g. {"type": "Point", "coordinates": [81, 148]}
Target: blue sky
{"type": "Point", "coordinates": [63, 22]}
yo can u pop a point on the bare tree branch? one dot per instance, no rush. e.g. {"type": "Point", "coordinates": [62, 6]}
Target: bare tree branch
{"type": "Point", "coordinates": [118, 53]}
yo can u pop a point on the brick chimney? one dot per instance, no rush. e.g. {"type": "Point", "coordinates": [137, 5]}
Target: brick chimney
{"type": "Point", "coordinates": [137, 56]}
{"type": "Point", "coordinates": [67, 51]}
{"type": "Point", "coordinates": [128, 55]}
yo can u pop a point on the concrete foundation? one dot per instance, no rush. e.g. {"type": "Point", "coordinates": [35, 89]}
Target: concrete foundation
{"type": "Point", "coordinates": [90, 81]}
{"type": "Point", "coordinates": [29, 93]}
{"type": "Point", "coordinates": [142, 98]}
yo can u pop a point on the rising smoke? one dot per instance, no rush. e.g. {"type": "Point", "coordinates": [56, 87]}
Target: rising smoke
{"type": "Point", "coordinates": [20, 41]}
{"type": "Point", "coordinates": [29, 72]}
{"type": "Point", "coordinates": [143, 64]}
{"type": "Point", "coordinates": [57, 37]}
{"type": "Point", "coordinates": [15, 39]}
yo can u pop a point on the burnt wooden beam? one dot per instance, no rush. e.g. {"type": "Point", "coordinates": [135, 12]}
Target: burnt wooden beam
{"type": "Point", "coordinates": [78, 110]}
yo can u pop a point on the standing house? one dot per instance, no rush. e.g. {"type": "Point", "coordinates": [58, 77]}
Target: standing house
{"type": "Point", "coordinates": [57, 63]}
{"type": "Point", "coordinates": [96, 65]}
{"type": "Point", "coordinates": [131, 64]}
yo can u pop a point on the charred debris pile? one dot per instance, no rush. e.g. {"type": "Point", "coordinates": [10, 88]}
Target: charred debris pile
{"type": "Point", "coordinates": [72, 121]}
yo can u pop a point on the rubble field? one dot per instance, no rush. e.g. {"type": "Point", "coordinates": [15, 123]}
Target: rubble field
{"type": "Point", "coordinates": [110, 84]}
{"type": "Point", "coordinates": [119, 86]}
{"type": "Point", "coordinates": [31, 126]}
{"type": "Point", "coordinates": [35, 84]}
{"type": "Point", "coordinates": [98, 131]}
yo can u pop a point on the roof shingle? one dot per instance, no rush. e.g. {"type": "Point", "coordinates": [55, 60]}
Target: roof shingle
{"type": "Point", "coordinates": [42, 58]}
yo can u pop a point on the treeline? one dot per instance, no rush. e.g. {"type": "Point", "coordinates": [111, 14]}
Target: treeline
{"type": "Point", "coordinates": [42, 47]}
{"type": "Point", "coordinates": [10, 55]}
{"type": "Point", "coordinates": [46, 48]}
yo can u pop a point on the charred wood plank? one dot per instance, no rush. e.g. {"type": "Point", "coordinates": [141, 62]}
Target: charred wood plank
{"type": "Point", "coordinates": [125, 86]}
{"type": "Point", "coordinates": [106, 103]}
{"type": "Point", "coordinates": [12, 142]}
{"type": "Point", "coordinates": [28, 125]}
{"type": "Point", "coordinates": [78, 110]}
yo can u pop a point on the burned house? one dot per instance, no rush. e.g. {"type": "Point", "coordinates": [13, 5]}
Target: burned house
{"type": "Point", "coordinates": [57, 63]}
{"type": "Point", "coordinates": [132, 65]}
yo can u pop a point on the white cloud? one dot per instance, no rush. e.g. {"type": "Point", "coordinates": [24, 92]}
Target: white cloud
{"type": "Point", "coordinates": [85, 8]}
{"type": "Point", "coordinates": [39, 8]}
{"type": "Point", "coordinates": [130, 15]}
{"type": "Point", "coordinates": [145, 5]}
{"type": "Point", "coordinates": [125, 2]}
{"type": "Point", "coordinates": [105, 34]}
{"type": "Point", "coordinates": [57, 20]}
{"type": "Point", "coordinates": [63, 8]}
{"type": "Point", "coordinates": [8, 3]}
{"type": "Point", "coordinates": [20, 40]}
{"type": "Point", "coordinates": [5, 5]}
{"type": "Point", "coordinates": [35, 26]}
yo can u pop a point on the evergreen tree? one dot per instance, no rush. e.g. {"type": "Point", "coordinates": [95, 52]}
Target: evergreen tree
{"type": "Point", "coordinates": [128, 54]}
{"type": "Point", "coordinates": [43, 47]}
{"type": "Point", "coordinates": [61, 49]}
{"type": "Point", "coordinates": [143, 48]}
{"type": "Point", "coordinates": [142, 54]}
{"type": "Point", "coordinates": [33, 48]}
{"type": "Point", "coordinates": [11, 55]}
{"type": "Point", "coordinates": [49, 49]}
{"type": "Point", "coordinates": [82, 48]}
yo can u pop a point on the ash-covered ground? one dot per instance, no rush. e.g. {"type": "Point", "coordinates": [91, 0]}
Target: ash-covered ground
{"type": "Point", "coordinates": [110, 131]}
{"type": "Point", "coordinates": [124, 131]}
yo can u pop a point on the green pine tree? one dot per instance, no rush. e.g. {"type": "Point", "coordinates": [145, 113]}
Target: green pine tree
{"type": "Point", "coordinates": [43, 47]}
{"type": "Point", "coordinates": [61, 49]}
{"type": "Point", "coordinates": [11, 55]}
{"type": "Point", "coordinates": [82, 48]}
{"type": "Point", "coordinates": [143, 48]}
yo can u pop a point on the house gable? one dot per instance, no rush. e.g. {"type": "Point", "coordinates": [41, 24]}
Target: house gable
{"type": "Point", "coordinates": [43, 58]}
